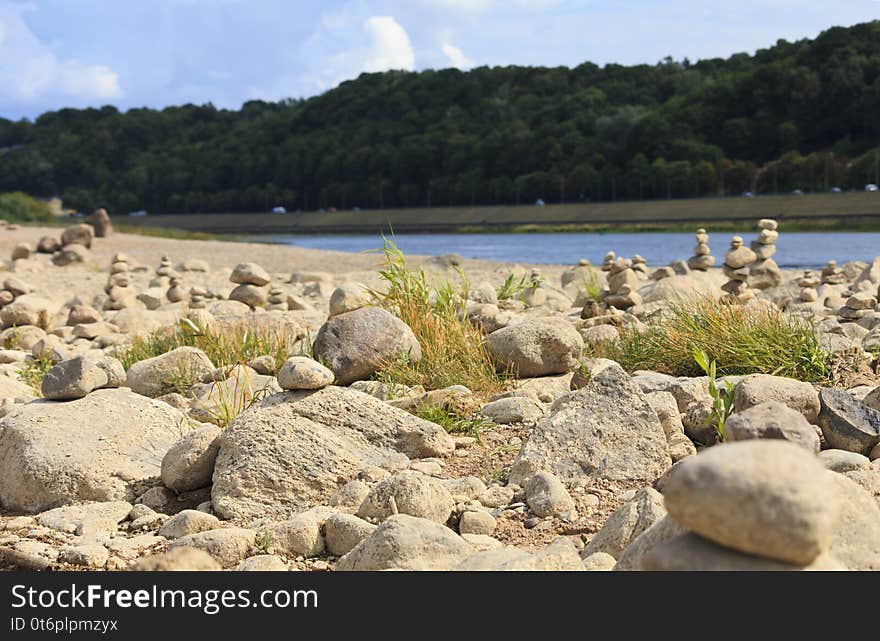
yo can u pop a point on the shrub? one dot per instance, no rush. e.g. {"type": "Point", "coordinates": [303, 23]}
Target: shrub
{"type": "Point", "coordinates": [453, 350]}
{"type": "Point", "coordinates": [18, 207]}
{"type": "Point", "coordinates": [744, 339]}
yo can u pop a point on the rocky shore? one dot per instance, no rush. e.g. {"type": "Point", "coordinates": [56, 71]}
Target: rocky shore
{"type": "Point", "coordinates": [203, 405]}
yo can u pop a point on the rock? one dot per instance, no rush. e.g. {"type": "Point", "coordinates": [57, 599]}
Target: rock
{"type": "Point", "coordinates": [250, 274]}
{"type": "Point", "coordinates": [536, 347]}
{"type": "Point", "coordinates": [759, 388]}
{"type": "Point", "coordinates": [547, 496]}
{"type": "Point", "coordinates": [29, 309]}
{"type": "Point", "coordinates": [690, 552]}
{"type": "Point", "coordinates": [82, 315]}
{"type": "Point", "coordinates": [21, 251]}
{"type": "Point", "coordinates": [227, 546]}
{"type": "Point", "coordinates": [156, 376]}
{"type": "Point", "coordinates": [856, 539]}
{"type": "Point", "coordinates": [12, 388]}
{"type": "Point", "coordinates": [354, 345]}
{"type": "Point", "coordinates": [264, 365]}
{"type": "Point", "coordinates": [188, 522]}
{"type": "Point", "coordinates": [771, 420]}
{"type": "Point", "coordinates": [627, 523]}
{"type": "Point", "coordinates": [195, 265]}
{"type": "Point", "coordinates": [250, 295]}
{"type": "Point", "coordinates": [404, 542]}
{"type": "Point", "coordinates": [70, 254]}
{"type": "Point", "coordinates": [492, 560]}
{"type": "Point", "coordinates": [302, 373]}
{"type": "Point", "coordinates": [767, 498]}
{"type": "Point", "coordinates": [94, 448]}
{"type": "Point", "coordinates": [74, 378]}
{"type": "Point", "coordinates": [16, 286]}
{"type": "Point", "coordinates": [87, 519]}
{"type": "Point", "coordinates": [78, 235]}
{"type": "Point", "coordinates": [351, 495]}
{"type": "Point", "coordinates": [476, 522]}
{"type": "Point", "coordinates": [559, 556]}
{"type": "Point", "coordinates": [100, 222]}
{"type": "Point", "coordinates": [843, 461]}
{"type": "Point", "coordinates": [88, 555]}
{"type": "Point", "coordinates": [189, 463]}
{"type": "Point", "coordinates": [262, 563]}
{"type": "Point", "coordinates": [847, 423]}
{"type": "Point", "coordinates": [606, 429]}
{"type": "Point", "coordinates": [185, 559]}
{"type": "Point", "coordinates": [600, 561]}
{"type": "Point", "coordinates": [408, 493]}
{"type": "Point", "coordinates": [47, 245]}
{"type": "Point", "coordinates": [497, 496]}
{"type": "Point", "coordinates": [349, 297]}
{"type": "Point", "coordinates": [289, 450]}
{"type": "Point", "coordinates": [464, 489]}
{"type": "Point", "coordinates": [299, 535]}
{"type": "Point", "coordinates": [515, 409]}
{"type": "Point", "coordinates": [662, 531]}
{"type": "Point", "coordinates": [342, 532]}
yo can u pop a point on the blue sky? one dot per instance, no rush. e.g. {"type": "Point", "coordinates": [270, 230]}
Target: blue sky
{"type": "Point", "coordinates": [132, 53]}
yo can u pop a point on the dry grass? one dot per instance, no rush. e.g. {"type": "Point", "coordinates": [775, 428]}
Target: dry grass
{"type": "Point", "coordinates": [453, 350]}
{"type": "Point", "coordinates": [741, 339]}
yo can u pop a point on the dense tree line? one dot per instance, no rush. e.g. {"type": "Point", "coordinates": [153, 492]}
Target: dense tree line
{"type": "Point", "coordinates": [802, 115]}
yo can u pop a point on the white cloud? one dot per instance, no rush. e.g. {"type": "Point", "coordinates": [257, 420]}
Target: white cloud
{"type": "Point", "coordinates": [30, 70]}
{"type": "Point", "coordinates": [389, 46]}
{"type": "Point", "coordinates": [456, 56]}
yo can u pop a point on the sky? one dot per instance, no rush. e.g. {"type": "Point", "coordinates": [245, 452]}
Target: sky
{"type": "Point", "coordinates": [155, 53]}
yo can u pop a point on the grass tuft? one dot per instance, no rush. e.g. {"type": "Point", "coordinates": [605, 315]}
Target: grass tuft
{"type": "Point", "coordinates": [33, 372]}
{"type": "Point", "coordinates": [453, 420]}
{"type": "Point", "coordinates": [742, 339]}
{"type": "Point", "coordinates": [453, 350]}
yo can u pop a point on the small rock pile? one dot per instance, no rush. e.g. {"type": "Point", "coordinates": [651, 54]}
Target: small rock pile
{"type": "Point", "coordinates": [859, 305]}
{"type": "Point", "coordinates": [608, 261]}
{"type": "Point", "coordinates": [808, 283]}
{"type": "Point", "coordinates": [164, 272]}
{"type": "Point", "coordinates": [736, 267]}
{"type": "Point", "coordinates": [702, 258]}
{"type": "Point", "coordinates": [119, 293]}
{"type": "Point", "coordinates": [277, 299]}
{"type": "Point", "coordinates": [622, 285]}
{"type": "Point", "coordinates": [176, 293]}
{"type": "Point", "coordinates": [832, 274]}
{"type": "Point", "coordinates": [252, 281]}
{"type": "Point", "coordinates": [640, 267]}
{"type": "Point", "coordinates": [764, 272]}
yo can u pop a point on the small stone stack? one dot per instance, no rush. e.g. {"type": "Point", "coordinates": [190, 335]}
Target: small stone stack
{"type": "Point", "coordinates": [252, 281]}
{"type": "Point", "coordinates": [832, 274]}
{"type": "Point", "coordinates": [764, 272]}
{"type": "Point", "coordinates": [277, 299]}
{"type": "Point", "coordinates": [736, 267]}
{"type": "Point", "coordinates": [197, 296]}
{"type": "Point", "coordinates": [175, 292]}
{"type": "Point", "coordinates": [164, 272]}
{"type": "Point", "coordinates": [702, 258]}
{"type": "Point", "coordinates": [608, 261]}
{"type": "Point", "coordinates": [622, 284]}
{"type": "Point", "coordinates": [858, 306]}
{"type": "Point", "coordinates": [119, 294]}
{"type": "Point", "coordinates": [640, 267]}
{"type": "Point", "coordinates": [808, 283]}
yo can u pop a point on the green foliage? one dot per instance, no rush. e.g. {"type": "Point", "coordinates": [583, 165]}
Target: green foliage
{"type": "Point", "coordinates": [722, 397]}
{"type": "Point", "coordinates": [745, 339]}
{"type": "Point", "coordinates": [263, 541]}
{"type": "Point", "coordinates": [453, 419]}
{"type": "Point", "coordinates": [512, 288]}
{"type": "Point", "coordinates": [33, 372]}
{"type": "Point", "coordinates": [18, 207]}
{"type": "Point", "coordinates": [226, 344]}
{"type": "Point", "coordinates": [453, 351]}
{"type": "Point", "coordinates": [795, 115]}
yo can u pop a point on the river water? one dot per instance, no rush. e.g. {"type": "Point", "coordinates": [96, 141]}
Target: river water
{"type": "Point", "coordinates": [795, 250]}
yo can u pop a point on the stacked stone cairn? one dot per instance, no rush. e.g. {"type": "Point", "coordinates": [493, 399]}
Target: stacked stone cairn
{"type": "Point", "coordinates": [808, 283]}
{"type": "Point", "coordinates": [764, 272]}
{"type": "Point", "coordinates": [277, 299]}
{"type": "Point", "coordinates": [832, 274]}
{"type": "Point", "coordinates": [736, 267]}
{"type": "Point", "coordinates": [176, 292]}
{"type": "Point", "coordinates": [164, 272]}
{"type": "Point", "coordinates": [118, 290]}
{"type": "Point", "coordinates": [608, 261]}
{"type": "Point", "coordinates": [252, 281]}
{"type": "Point", "coordinates": [702, 259]}
{"type": "Point", "coordinates": [859, 305]}
{"type": "Point", "coordinates": [640, 267]}
{"type": "Point", "coordinates": [197, 298]}
{"type": "Point", "coordinates": [622, 284]}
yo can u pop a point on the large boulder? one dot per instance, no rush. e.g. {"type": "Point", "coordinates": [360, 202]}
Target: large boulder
{"type": "Point", "coordinates": [158, 375]}
{"type": "Point", "coordinates": [767, 498]}
{"type": "Point", "coordinates": [607, 429]}
{"type": "Point", "coordinates": [289, 451]}
{"type": "Point", "coordinates": [99, 448]}
{"type": "Point", "coordinates": [536, 347]}
{"type": "Point", "coordinates": [356, 344]}
{"type": "Point", "coordinates": [405, 542]}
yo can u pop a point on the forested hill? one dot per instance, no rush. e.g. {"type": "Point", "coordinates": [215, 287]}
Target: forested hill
{"type": "Point", "coordinates": [802, 115]}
